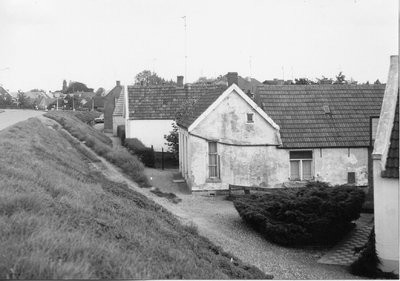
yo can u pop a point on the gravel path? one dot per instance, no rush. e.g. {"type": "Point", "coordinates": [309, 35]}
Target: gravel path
{"type": "Point", "coordinates": [218, 220]}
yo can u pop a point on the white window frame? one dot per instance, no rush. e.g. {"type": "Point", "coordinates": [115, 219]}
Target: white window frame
{"type": "Point", "coordinates": [217, 160]}
{"type": "Point", "coordinates": [300, 160]}
{"type": "Point", "coordinates": [247, 117]}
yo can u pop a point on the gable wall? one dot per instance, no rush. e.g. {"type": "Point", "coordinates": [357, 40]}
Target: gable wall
{"type": "Point", "coordinates": [227, 123]}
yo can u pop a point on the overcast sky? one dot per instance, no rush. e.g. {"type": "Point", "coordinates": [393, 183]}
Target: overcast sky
{"type": "Point", "coordinates": [97, 42]}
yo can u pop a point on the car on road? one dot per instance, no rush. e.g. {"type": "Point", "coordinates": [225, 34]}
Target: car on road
{"type": "Point", "coordinates": [99, 119]}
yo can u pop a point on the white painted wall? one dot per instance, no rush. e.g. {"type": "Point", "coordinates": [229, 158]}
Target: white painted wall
{"type": "Point", "coordinates": [386, 210]}
{"type": "Point", "coordinates": [332, 165]}
{"type": "Point", "coordinates": [150, 132]}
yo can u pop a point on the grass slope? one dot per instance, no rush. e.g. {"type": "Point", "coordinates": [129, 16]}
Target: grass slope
{"type": "Point", "coordinates": [59, 219]}
{"type": "Point", "coordinates": [101, 144]}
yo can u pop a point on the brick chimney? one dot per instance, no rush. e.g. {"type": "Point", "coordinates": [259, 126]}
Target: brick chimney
{"type": "Point", "coordinates": [179, 81]}
{"type": "Point", "coordinates": [118, 83]}
{"type": "Point", "coordinates": [232, 78]}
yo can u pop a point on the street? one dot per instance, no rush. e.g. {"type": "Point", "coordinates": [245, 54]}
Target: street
{"type": "Point", "coordinates": [12, 116]}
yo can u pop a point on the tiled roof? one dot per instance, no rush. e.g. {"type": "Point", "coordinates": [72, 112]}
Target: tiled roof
{"type": "Point", "coordinates": [392, 161]}
{"type": "Point", "coordinates": [202, 104]}
{"type": "Point", "coordinates": [162, 102]}
{"type": "Point", "coordinates": [119, 106]}
{"type": "Point", "coordinates": [299, 111]}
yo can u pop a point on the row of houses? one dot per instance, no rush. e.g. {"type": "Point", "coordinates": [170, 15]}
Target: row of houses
{"type": "Point", "coordinates": [285, 135]}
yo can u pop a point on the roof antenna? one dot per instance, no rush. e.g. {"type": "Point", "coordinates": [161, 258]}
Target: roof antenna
{"type": "Point", "coordinates": [184, 18]}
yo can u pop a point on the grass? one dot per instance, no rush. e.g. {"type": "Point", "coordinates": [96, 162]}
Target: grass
{"type": "Point", "coordinates": [58, 220]}
{"type": "Point", "coordinates": [102, 145]}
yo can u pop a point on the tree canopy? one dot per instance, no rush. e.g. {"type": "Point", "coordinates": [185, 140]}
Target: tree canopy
{"type": "Point", "coordinates": [76, 87]}
{"type": "Point", "coordinates": [151, 78]}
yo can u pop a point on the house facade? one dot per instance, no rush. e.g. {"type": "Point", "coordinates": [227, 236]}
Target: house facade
{"type": "Point", "coordinates": [386, 175]}
{"type": "Point", "coordinates": [295, 134]}
{"type": "Point", "coordinates": [110, 101]}
{"type": "Point", "coordinates": [152, 110]}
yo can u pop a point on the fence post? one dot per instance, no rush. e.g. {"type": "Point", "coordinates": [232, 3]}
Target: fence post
{"type": "Point", "coordinates": [162, 158]}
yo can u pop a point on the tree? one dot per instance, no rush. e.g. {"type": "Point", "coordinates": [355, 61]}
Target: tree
{"type": "Point", "coordinates": [303, 81]}
{"type": "Point", "coordinates": [77, 87]}
{"type": "Point", "coordinates": [100, 91]}
{"type": "Point", "coordinates": [205, 80]}
{"type": "Point", "coordinates": [23, 100]}
{"type": "Point", "coordinates": [37, 90]}
{"type": "Point", "coordinates": [151, 78]}
{"type": "Point", "coordinates": [173, 137]}
{"type": "Point", "coordinates": [64, 88]}
{"type": "Point", "coordinates": [377, 82]}
{"type": "Point", "coordinates": [340, 79]}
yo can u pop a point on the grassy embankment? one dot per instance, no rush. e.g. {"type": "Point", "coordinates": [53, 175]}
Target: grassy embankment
{"type": "Point", "coordinates": [59, 220]}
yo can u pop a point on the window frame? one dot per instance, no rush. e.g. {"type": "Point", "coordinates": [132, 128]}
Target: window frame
{"type": "Point", "coordinates": [211, 166]}
{"type": "Point", "coordinates": [247, 114]}
{"type": "Point", "coordinates": [301, 165]}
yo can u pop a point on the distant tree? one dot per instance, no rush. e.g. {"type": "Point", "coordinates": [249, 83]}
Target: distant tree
{"type": "Point", "coordinates": [37, 90]}
{"type": "Point", "coordinates": [303, 81]}
{"type": "Point", "coordinates": [324, 81]}
{"type": "Point", "coordinates": [205, 80]}
{"type": "Point", "coordinates": [23, 100]}
{"type": "Point", "coordinates": [377, 82]}
{"type": "Point", "coordinates": [367, 83]}
{"type": "Point", "coordinates": [64, 88]}
{"type": "Point", "coordinates": [77, 87]}
{"type": "Point", "coordinates": [151, 78]}
{"type": "Point", "coordinates": [100, 91]}
{"type": "Point", "coordinates": [340, 79]}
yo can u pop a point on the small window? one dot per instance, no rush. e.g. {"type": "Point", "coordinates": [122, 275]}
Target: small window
{"type": "Point", "coordinates": [213, 160]}
{"type": "Point", "coordinates": [300, 165]}
{"type": "Point", "coordinates": [351, 177]}
{"type": "Point", "coordinates": [250, 118]}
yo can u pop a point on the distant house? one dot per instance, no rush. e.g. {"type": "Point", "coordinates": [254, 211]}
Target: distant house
{"type": "Point", "coordinates": [247, 84]}
{"type": "Point", "coordinates": [5, 94]}
{"type": "Point", "coordinates": [110, 100]}
{"type": "Point", "coordinates": [94, 103]}
{"type": "Point", "coordinates": [302, 133]}
{"type": "Point", "coordinates": [386, 174]}
{"type": "Point", "coordinates": [119, 112]}
{"type": "Point", "coordinates": [43, 103]}
{"type": "Point", "coordinates": [152, 110]}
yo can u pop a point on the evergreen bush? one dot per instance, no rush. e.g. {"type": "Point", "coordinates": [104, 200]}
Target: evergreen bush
{"type": "Point", "coordinates": [313, 215]}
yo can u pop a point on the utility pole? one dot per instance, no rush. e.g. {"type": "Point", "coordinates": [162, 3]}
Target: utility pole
{"type": "Point", "coordinates": [184, 18]}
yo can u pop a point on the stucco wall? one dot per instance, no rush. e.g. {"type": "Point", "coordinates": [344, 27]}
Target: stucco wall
{"type": "Point", "coordinates": [333, 164]}
{"type": "Point", "coordinates": [227, 123]}
{"type": "Point", "coordinates": [240, 165]}
{"type": "Point", "coordinates": [150, 132]}
{"type": "Point", "coordinates": [386, 209]}
{"type": "Point", "coordinates": [117, 120]}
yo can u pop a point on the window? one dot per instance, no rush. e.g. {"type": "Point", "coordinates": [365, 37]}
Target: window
{"type": "Point", "coordinates": [250, 117]}
{"type": "Point", "coordinates": [213, 160]}
{"type": "Point", "coordinates": [300, 165]}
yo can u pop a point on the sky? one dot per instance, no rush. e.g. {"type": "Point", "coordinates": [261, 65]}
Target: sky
{"type": "Point", "coordinates": [98, 42]}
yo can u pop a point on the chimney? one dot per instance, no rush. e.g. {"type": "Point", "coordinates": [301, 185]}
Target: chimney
{"type": "Point", "coordinates": [179, 81]}
{"type": "Point", "coordinates": [118, 83]}
{"type": "Point", "coordinates": [232, 78]}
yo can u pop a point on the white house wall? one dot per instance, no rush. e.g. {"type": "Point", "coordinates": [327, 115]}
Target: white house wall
{"type": "Point", "coordinates": [227, 123]}
{"type": "Point", "coordinates": [333, 165]}
{"type": "Point", "coordinates": [117, 120]}
{"type": "Point", "coordinates": [386, 209]}
{"type": "Point", "coordinates": [150, 132]}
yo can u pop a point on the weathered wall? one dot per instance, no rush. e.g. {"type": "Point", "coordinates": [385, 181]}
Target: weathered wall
{"type": "Point", "coordinates": [333, 164]}
{"type": "Point", "coordinates": [227, 123]}
{"type": "Point", "coordinates": [150, 132]}
{"type": "Point", "coordinates": [386, 210]}
{"type": "Point", "coordinates": [117, 120]}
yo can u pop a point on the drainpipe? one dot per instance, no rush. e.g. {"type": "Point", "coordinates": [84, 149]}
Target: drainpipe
{"type": "Point", "coordinates": [126, 110]}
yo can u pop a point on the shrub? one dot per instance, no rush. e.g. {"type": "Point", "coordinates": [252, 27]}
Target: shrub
{"type": "Point", "coordinates": [145, 154]}
{"type": "Point", "coordinates": [314, 215]}
{"type": "Point", "coordinates": [121, 133]}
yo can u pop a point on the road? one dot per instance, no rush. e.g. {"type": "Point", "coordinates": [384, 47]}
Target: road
{"type": "Point", "coordinates": [12, 116]}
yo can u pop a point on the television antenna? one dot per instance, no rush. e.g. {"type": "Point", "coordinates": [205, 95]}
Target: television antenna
{"type": "Point", "coordinates": [184, 19]}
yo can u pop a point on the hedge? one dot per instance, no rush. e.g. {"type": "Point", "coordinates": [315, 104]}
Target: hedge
{"type": "Point", "coordinates": [145, 154]}
{"type": "Point", "coordinates": [314, 215]}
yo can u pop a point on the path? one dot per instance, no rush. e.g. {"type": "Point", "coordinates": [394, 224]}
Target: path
{"type": "Point", "coordinates": [12, 116]}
